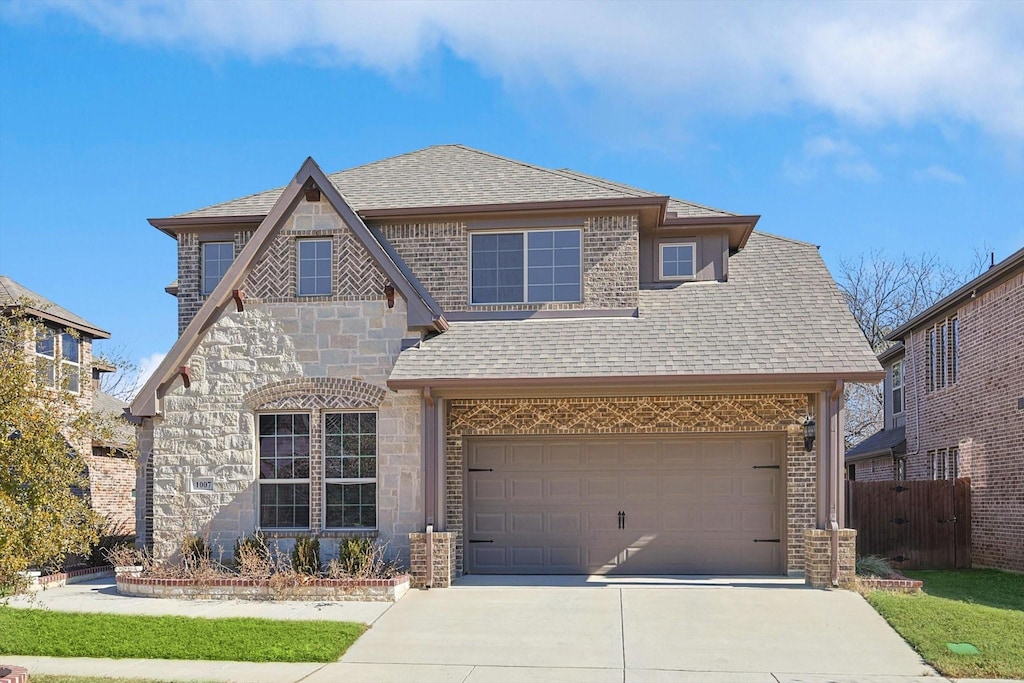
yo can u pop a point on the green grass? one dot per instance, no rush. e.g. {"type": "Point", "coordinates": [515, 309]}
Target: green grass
{"type": "Point", "coordinates": [68, 634]}
{"type": "Point", "coordinates": [982, 607]}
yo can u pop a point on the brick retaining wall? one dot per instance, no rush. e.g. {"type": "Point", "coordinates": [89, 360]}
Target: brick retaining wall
{"type": "Point", "coordinates": [341, 590]}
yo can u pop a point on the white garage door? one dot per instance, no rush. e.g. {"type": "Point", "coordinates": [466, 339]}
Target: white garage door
{"type": "Point", "coordinates": [631, 505]}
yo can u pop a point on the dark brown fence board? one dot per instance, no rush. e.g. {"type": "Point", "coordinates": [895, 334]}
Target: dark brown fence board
{"type": "Point", "coordinates": [913, 524]}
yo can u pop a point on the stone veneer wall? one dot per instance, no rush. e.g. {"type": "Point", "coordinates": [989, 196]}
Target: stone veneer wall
{"type": "Point", "coordinates": [979, 415]}
{"type": "Point", "coordinates": [641, 415]}
{"type": "Point", "coordinates": [438, 255]}
{"type": "Point", "coordinates": [284, 353]}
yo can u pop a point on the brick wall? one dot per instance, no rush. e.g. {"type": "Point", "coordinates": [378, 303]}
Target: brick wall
{"type": "Point", "coordinates": [438, 255]}
{"type": "Point", "coordinates": [641, 415]}
{"type": "Point", "coordinates": [111, 482]}
{"type": "Point", "coordinates": [818, 557]}
{"type": "Point", "coordinates": [979, 416]}
{"type": "Point", "coordinates": [442, 559]}
{"type": "Point", "coordinates": [874, 469]}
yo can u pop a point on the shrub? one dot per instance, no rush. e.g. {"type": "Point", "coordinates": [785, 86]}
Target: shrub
{"type": "Point", "coordinates": [252, 556]}
{"type": "Point", "coordinates": [361, 558]}
{"type": "Point", "coordinates": [873, 566]}
{"type": "Point", "coordinates": [306, 555]}
{"type": "Point", "coordinates": [194, 553]}
{"type": "Point", "coordinates": [112, 535]}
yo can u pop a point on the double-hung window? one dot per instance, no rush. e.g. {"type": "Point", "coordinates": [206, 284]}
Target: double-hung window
{"type": "Point", "coordinates": [350, 470]}
{"type": "Point", "coordinates": [528, 266]}
{"type": "Point", "coordinates": [66, 348]}
{"type": "Point", "coordinates": [678, 261]}
{"type": "Point", "coordinates": [284, 471]}
{"type": "Point", "coordinates": [943, 354]}
{"type": "Point", "coordinates": [217, 258]}
{"type": "Point", "coordinates": [897, 388]}
{"type": "Point", "coordinates": [315, 266]}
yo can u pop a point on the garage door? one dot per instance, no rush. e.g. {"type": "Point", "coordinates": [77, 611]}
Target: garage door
{"type": "Point", "coordinates": [624, 506]}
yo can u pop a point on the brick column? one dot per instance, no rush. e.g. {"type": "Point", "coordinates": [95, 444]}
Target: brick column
{"type": "Point", "coordinates": [818, 557]}
{"type": "Point", "coordinates": [13, 674]}
{"type": "Point", "coordinates": [443, 560]}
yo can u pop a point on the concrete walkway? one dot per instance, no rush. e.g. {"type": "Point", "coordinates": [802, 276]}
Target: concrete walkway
{"type": "Point", "coordinates": [670, 630]}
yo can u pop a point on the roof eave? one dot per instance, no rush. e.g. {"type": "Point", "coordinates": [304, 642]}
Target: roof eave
{"type": "Point", "coordinates": [739, 227]}
{"type": "Point", "coordinates": [172, 225]}
{"type": "Point", "coordinates": [553, 205]}
{"type": "Point", "coordinates": [94, 332]}
{"type": "Point", "coordinates": [990, 278]}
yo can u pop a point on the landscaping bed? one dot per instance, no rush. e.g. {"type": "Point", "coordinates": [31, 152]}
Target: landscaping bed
{"type": "Point", "coordinates": [295, 588]}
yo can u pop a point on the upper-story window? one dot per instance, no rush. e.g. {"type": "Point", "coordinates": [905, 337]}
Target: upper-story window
{"type": "Point", "coordinates": [48, 347]}
{"type": "Point", "coordinates": [315, 266]}
{"type": "Point", "coordinates": [217, 258]}
{"type": "Point", "coordinates": [678, 261]}
{"type": "Point", "coordinates": [942, 347]}
{"type": "Point", "coordinates": [527, 266]}
{"type": "Point", "coordinates": [897, 387]}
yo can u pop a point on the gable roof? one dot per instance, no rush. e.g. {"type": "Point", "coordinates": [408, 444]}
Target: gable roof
{"type": "Point", "coordinates": [882, 442]}
{"type": "Point", "coordinates": [454, 176]}
{"type": "Point", "coordinates": [423, 311]}
{"type": "Point", "coordinates": [992, 277]}
{"type": "Point", "coordinates": [112, 408]}
{"type": "Point", "coordinates": [779, 315]}
{"type": "Point", "coordinates": [14, 295]}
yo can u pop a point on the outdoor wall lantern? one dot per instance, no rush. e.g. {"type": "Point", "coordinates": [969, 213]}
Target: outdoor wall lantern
{"type": "Point", "coordinates": [809, 433]}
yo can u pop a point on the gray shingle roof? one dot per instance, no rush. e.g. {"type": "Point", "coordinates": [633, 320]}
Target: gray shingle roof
{"type": "Point", "coordinates": [15, 294]}
{"type": "Point", "coordinates": [779, 313]}
{"type": "Point", "coordinates": [880, 442]}
{"type": "Point", "coordinates": [448, 175]}
{"type": "Point", "coordinates": [112, 408]}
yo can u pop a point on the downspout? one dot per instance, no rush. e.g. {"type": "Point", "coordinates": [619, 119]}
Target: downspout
{"type": "Point", "coordinates": [430, 476]}
{"type": "Point", "coordinates": [835, 446]}
{"type": "Point", "coordinates": [917, 395]}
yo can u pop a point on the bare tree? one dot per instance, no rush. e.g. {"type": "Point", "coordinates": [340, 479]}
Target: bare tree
{"type": "Point", "coordinates": [883, 292]}
{"type": "Point", "coordinates": [123, 381]}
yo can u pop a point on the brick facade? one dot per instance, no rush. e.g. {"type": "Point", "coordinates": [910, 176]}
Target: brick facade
{"type": "Point", "coordinates": [979, 416]}
{"type": "Point", "coordinates": [438, 255]}
{"type": "Point", "coordinates": [818, 557]}
{"type": "Point", "coordinates": [640, 415]}
{"type": "Point", "coordinates": [442, 559]}
{"type": "Point", "coordinates": [881, 468]}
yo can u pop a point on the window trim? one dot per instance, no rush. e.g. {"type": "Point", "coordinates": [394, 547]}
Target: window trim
{"type": "Point", "coordinates": [298, 266]}
{"type": "Point", "coordinates": [324, 480]}
{"type": "Point", "coordinates": [526, 265]}
{"type": "Point", "coordinates": [259, 482]}
{"type": "Point", "coordinates": [894, 388]}
{"type": "Point", "coordinates": [202, 264]}
{"type": "Point", "coordinates": [51, 360]}
{"type": "Point", "coordinates": [661, 261]}
{"type": "Point", "coordinates": [76, 365]}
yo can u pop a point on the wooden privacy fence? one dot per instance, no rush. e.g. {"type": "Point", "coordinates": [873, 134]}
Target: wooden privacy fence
{"type": "Point", "coordinates": [913, 524]}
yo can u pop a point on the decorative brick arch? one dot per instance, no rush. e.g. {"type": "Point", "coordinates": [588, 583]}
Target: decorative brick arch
{"type": "Point", "coordinates": [315, 392]}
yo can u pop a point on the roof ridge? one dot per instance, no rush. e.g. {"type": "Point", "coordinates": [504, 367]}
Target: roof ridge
{"type": "Point", "coordinates": [788, 239]}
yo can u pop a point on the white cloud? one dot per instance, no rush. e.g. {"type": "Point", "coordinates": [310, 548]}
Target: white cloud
{"type": "Point", "coordinates": [824, 152]}
{"type": "Point", "coordinates": [874, 63]}
{"type": "Point", "coordinates": [939, 173]}
{"type": "Point", "coordinates": [147, 365]}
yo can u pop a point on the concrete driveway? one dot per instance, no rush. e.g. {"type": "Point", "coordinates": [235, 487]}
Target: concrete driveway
{"type": "Point", "coordinates": [659, 630]}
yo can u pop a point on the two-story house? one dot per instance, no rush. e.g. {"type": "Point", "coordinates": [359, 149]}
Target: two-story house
{"type": "Point", "coordinates": [548, 372]}
{"type": "Point", "coordinates": [954, 407]}
{"type": "Point", "coordinates": [64, 358]}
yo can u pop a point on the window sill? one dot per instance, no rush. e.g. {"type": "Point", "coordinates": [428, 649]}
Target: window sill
{"type": "Point", "coordinates": [322, 533]}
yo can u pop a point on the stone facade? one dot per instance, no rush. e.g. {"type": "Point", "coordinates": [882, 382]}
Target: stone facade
{"type": "Point", "coordinates": [438, 255]}
{"type": "Point", "coordinates": [441, 559]}
{"type": "Point", "coordinates": [285, 354]}
{"type": "Point", "coordinates": [641, 415]}
{"type": "Point", "coordinates": [979, 415]}
{"type": "Point", "coordinates": [818, 557]}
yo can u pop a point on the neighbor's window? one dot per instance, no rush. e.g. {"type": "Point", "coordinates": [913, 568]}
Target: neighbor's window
{"type": "Point", "coordinates": [45, 348]}
{"type": "Point", "coordinates": [284, 471]}
{"type": "Point", "coordinates": [217, 258]}
{"type": "Point", "coordinates": [901, 469]}
{"type": "Point", "coordinates": [315, 268]}
{"type": "Point", "coordinates": [897, 387]}
{"type": "Point", "coordinates": [678, 261]}
{"type": "Point", "coordinates": [350, 470]}
{"type": "Point", "coordinates": [529, 266]}
{"type": "Point", "coordinates": [943, 353]}
{"type": "Point", "coordinates": [69, 362]}
{"type": "Point", "coordinates": [945, 463]}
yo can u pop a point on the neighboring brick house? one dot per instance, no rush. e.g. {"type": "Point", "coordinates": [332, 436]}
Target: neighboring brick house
{"type": "Point", "coordinates": [956, 407]}
{"type": "Point", "coordinates": [544, 371]}
{"type": "Point", "coordinates": [64, 356]}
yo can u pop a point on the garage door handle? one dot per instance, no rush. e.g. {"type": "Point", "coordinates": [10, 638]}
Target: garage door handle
{"type": "Point", "coordinates": [767, 540]}
{"type": "Point", "coordinates": [622, 519]}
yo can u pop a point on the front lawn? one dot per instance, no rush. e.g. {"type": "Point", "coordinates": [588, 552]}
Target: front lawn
{"type": "Point", "coordinates": [69, 634]}
{"type": "Point", "coordinates": [982, 607]}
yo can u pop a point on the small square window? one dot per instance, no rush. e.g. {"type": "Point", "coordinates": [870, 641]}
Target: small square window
{"type": "Point", "coordinates": [315, 268]}
{"type": "Point", "coordinates": [678, 261]}
{"type": "Point", "coordinates": [217, 258]}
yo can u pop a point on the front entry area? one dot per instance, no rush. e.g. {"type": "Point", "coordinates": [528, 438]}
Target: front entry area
{"type": "Point", "coordinates": [625, 505]}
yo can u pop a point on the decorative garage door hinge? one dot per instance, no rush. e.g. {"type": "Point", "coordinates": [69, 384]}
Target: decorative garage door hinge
{"type": "Point", "coordinates": [481, 469]}
{"type": "Point", "coordinates": [476, 541]}
{"type": "Point", "coordinates": [767, 540]}
{"type": "Point", "coordinates": [766, 467]}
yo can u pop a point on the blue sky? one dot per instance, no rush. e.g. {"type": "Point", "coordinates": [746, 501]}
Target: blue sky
{"type": "Point", "coordinates": [852, 126]}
